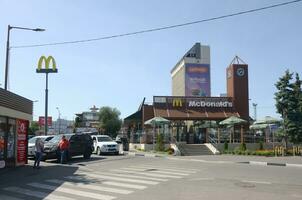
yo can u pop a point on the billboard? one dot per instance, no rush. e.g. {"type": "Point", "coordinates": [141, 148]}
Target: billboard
{"type": "Point", "coordinates": [197, 80]}
{"type": "Point", "coordinates": [22, 131]}
{"type": "Point", "coordinates": [42, 121]}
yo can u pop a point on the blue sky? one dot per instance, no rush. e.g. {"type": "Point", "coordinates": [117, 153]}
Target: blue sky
{"type": "Point", "coordinates": [119, 72]}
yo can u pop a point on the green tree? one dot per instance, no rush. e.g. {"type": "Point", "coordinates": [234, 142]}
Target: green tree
{"type": "Point", "coordinates": [296, 114]}
{"type": "Point", "coordinates": [288, 103]}
{"type": "Point", "coordinates": [77, 122]}
{"type": "Point", "coordinates": [33, 127]}
{"type": "Point", "coordinates": [160, 146]}
{"type": "Point", "coordinates": [110, 123]}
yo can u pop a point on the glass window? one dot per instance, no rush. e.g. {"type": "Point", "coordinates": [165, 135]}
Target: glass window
{"type": "Point", "coordinates": [2, 135]}
{"type": "Point", "coordinates": [11, 138]}
{"type": "Point", "coordinates": [104, 139]}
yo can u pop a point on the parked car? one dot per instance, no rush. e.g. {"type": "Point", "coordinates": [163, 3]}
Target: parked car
{"type": "Point", "coordinates": [103, 144]}
{"type": "Point", "coordinates": [32, 142]}
{"type": "Point", "coordinates": [79, 144]}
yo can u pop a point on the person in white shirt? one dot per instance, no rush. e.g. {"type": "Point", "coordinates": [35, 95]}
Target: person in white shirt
{"type": "Point", "coordinates": [39, 146]}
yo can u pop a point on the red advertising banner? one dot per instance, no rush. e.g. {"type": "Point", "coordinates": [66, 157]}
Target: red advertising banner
{"type": "Point", "coordinates": [42, 121]}
{"type": "Point", "coordinates": [22, 128]}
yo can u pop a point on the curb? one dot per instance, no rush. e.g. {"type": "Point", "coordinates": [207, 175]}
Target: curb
{"type": "Point", "coordinates": [148, 155]}
{"type": "Point", "coordinates": [271, 164]}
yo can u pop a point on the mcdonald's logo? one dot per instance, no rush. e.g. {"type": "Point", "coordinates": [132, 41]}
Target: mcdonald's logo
{"type": "Point", "coordinates": [177, 103]}
{"type": "Point", "coordinates": [47, 62]}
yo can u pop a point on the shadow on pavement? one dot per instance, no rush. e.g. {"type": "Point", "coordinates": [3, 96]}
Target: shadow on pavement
{"type": "Point", "coordinates": [78, 159]}
{"type": "Point", "coordinates": [28, 183]}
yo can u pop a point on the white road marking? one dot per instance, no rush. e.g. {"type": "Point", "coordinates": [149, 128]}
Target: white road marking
{"type": "Point", "coordinates": [165, 169]}
{"type": "Point", "coordinates": [132, 176]}
{"type": "Point", "coordinates": [72, 191]}
{"type": "Point", "coordinates": [126, 185]}
{"type": "Point", "coordinates": [5, 197]}
{"type": "Point", "coordinates": [146, 173]}
{"type": "Point", "coordinates": [112, 183]}
{"type": "Point", "coordinates": [121, 179]}
{"type": "Point", "coordinates": [258, 182]}
{"type": "Point", "coordinates": [175, 168]}
{"type": "Point", "coordinates": [202, 179]}
{"type": "Point", "coordinates": [42, 195]}
{"type": "Point", "coordinates": [168, 168]}
{"type": "Point", "coordinates": [156, 171]}
{"type": "Point", "coordinates": [89, 186]}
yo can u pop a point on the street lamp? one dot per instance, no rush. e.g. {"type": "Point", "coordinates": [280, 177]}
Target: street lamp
{"type": "Point", "coordinates": [8, 47]}
{"type": "Point", "coordinates": [59, 119]}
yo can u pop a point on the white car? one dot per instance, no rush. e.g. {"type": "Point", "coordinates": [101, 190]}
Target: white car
{"type": "Point", "coordinates": [32, 143]}
{"type": "Point", "coordinates": [103, 144]}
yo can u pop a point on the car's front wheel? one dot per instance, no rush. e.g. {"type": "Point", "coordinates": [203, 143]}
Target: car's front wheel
{"type": "Point", "coordinates": [87, 155]}
{"type": "Point", "coordinates": [98, 151]}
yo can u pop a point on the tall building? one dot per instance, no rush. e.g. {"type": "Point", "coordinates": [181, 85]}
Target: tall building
{"type": "Point", "coordinates": [191, 75]}
{"type": "Point", "coordinates": [89, 119]}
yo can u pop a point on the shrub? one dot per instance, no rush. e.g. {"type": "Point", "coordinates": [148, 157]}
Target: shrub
{"type": "Point", "coordinates": [247, 152]}
{"type": "Point", "coordinates": [226, 146]}
{"type": "Point", "coordinates": [261, 145]}
{"type": "Point", "coordinates": [160, 146]}
{"type": "Point", "coordinates": [242, 147]}
{"type": "Point", "coordinates": [265, 153]}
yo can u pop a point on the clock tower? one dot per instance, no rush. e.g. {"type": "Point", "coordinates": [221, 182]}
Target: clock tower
{"type": "Point", "coordinates": [238, 87]}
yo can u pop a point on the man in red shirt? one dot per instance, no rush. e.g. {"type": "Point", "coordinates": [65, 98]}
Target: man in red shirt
{"type": "Point", "coordinates": [63, 145]}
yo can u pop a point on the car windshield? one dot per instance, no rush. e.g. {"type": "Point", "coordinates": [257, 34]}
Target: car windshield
{"type": "Point", "coordinates": [47, 139]}
{"type": "Point", "coordinates": [57, 138]}
{"type": "Point", "coordinates": [44, 139]}
{"type": "Point", "coordinates": [104, 139]}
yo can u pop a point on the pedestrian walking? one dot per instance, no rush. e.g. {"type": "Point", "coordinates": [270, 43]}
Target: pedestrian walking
{"type": "Point", "coordinates": [63, 145]}
{"type": "Point", "coordinates": [39, 147]}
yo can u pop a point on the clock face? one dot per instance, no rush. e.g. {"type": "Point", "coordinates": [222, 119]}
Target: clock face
{"type": "Point", "coordinates": [240, 71]}
{"type": "Point", "coordinates": [229, 74]}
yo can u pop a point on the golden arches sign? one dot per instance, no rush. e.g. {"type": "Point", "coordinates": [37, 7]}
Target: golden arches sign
{"type": "Point", "coordinates": [177, 103]}
{"type": "Point", "coordinates": [49, 60]}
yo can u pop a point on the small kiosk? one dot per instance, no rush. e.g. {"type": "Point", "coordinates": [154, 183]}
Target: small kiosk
{"type": "Point", "coordinates": [15, 115]}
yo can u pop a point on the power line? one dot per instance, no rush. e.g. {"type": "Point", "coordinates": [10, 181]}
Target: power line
{"type": "Point", "coordinates": [160, 28]}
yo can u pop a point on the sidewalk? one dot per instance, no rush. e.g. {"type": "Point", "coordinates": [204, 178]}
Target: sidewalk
{"type": "Point", "coordinates": [289, 161]}
{"type": "Point", "coordinates": [146, 154]}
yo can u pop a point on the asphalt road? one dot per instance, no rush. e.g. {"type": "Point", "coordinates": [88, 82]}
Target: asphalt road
{"type": "Point", "coordinates": [129, 178]}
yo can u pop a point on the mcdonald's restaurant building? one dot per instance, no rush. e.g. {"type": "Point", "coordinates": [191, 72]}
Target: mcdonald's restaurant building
{"type": "Point", "coordinates": [15, 115]}
{"type": "Point", "coordinates": [187, 113]}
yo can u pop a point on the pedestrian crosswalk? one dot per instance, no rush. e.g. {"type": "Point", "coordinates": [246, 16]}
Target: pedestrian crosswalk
{"type": "Point", "coordinates": [99, 185]}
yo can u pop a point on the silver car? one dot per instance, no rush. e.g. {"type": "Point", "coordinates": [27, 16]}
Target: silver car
{"type": "Point", "coordinates": [32, 142]}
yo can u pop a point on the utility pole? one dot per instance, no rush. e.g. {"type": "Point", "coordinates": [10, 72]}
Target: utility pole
{"type": "Point", "coordinates": [59, 119]}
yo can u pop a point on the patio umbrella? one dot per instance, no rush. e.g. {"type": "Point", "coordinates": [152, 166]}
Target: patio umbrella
{"type": "Point", "coordinates": [258, 126]}
{"type": "Point", "coordinates": [267, 121]}
{"type": "Point", "coordinates": [232, 121]}
{"type": "Point", "coordinates": [156, 121]}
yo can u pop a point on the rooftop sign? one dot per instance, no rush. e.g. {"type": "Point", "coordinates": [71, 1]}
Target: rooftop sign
{"type": "Point", "coordinates": [194, 102]}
